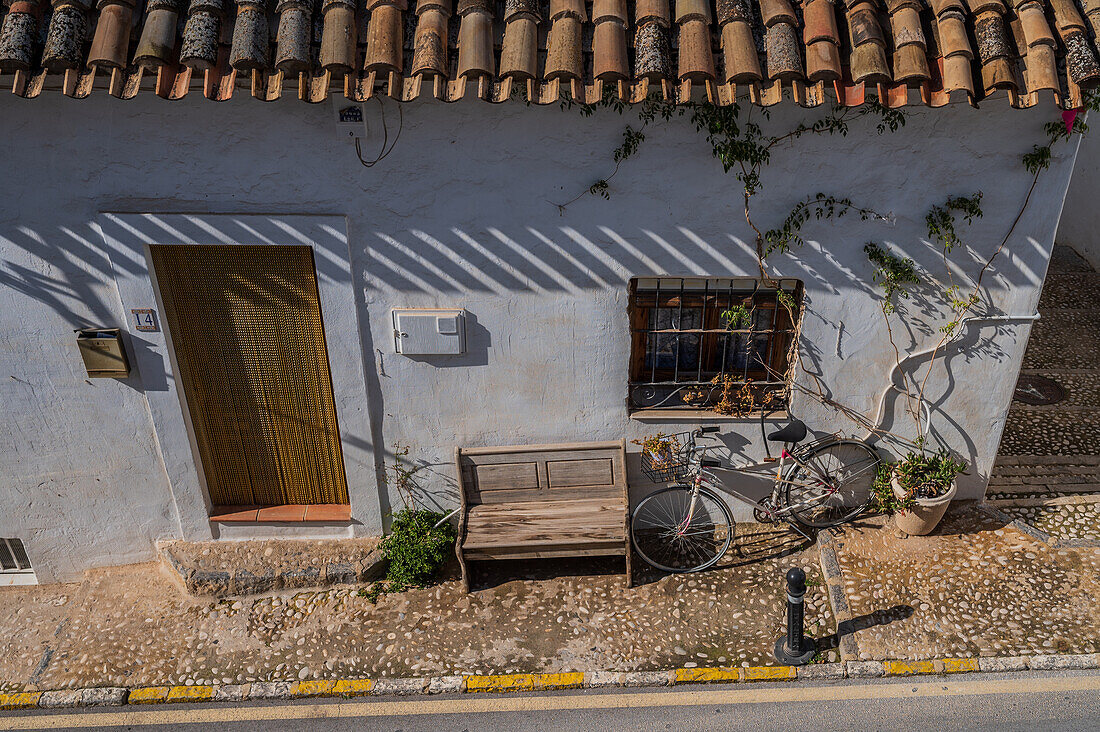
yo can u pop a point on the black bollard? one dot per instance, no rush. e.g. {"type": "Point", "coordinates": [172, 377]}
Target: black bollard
{"type": "Point", "coordinates": [795, 649]}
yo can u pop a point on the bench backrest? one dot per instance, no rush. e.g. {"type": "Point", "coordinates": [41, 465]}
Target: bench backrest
{"type": "Point", "coordinates": [542, 472]}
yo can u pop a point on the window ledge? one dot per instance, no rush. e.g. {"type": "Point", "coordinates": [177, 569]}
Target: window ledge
{"type": "Point", "coordinates": [321, 512]}
{"type": "Point", "coordinates": [697, 415]}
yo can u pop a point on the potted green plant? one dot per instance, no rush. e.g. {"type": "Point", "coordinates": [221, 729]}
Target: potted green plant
{"type": "Point", "coordinates": [920, 488]}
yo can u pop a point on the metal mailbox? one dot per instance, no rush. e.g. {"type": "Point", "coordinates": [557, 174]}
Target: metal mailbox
{"type": "Point", "coordinates": [103, 353]}
{"type": "Point", "coordinates": [429, 332]}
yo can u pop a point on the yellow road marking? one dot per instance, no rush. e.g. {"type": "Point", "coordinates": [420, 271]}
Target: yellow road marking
{"type": "Point", "coordinates": [906, 668]}
{"type": "Point", "coordinates": [552, 702]}
{"type": "Point", "coordinates": [725, 675]}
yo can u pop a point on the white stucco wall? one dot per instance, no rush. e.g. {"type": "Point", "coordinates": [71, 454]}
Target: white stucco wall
{"type": "Point", "coordinates": [1080, 224]}
{"type": "Point", "coordinates": [461, 214]}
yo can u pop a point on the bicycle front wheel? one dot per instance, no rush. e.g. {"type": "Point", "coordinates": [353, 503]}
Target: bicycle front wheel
{"type": "Point", "coordinates": [666, 537]}
{"type": "Point", "coordinates": [835, 486]}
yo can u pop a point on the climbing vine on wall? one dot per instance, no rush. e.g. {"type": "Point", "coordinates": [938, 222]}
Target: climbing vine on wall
{"type": "Point", "coordinates": [742, 146]}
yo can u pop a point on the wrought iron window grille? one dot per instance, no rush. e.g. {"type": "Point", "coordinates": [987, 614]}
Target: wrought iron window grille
{"type": "Point", "coordinates": [695, 338]}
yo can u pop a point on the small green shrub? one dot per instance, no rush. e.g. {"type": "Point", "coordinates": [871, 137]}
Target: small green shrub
{"type": "Point", "coordinates": [919, 475]}
{"type": "Point", "coordinates": [885, 500]}
{"type": "Point", "coordinates": [416, 548]}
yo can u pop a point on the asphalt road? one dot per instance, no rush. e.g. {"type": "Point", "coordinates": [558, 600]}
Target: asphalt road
{"type": "Point", "coordinates": [1055, 701]}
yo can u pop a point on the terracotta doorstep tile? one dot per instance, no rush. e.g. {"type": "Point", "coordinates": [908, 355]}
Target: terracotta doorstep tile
{"type": "Point", "coordinates": [234, 514]}
{"type": "Point", "coordinates": [282, 513]}
{"type": "Point", "coordinates": [328, 512]}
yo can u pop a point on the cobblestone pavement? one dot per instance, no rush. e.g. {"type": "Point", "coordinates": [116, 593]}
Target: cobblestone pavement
{"type": "Point", "coordinates": [974, 587]}
{"type": "Point", "coordinates": [1078, 522]}
{"type": "Point", "coordinates": [134, 626]}
{"type": "Point", "coordinates": [1053, 451]}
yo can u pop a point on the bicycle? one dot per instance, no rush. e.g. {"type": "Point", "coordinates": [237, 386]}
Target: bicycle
{"type": "Point", "coordinates": [687, 527]}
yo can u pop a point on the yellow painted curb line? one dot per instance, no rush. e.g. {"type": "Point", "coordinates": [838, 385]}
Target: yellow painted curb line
{"type": "Point", "coordinates": [22, 700]}
{"type": "Point", "coordinates": [960, 665]}
{"type": "Point", "coordinates": [909, 668]}
{"type": "Point", "coordinates": [190, 693]}
{"type": "Point", "coordinates": [706, 675]}
{"type": "Point", "coordinates": [769, 673]}
{"type": "Point", "coordinates": [524, 682]}
{"type": "Point", "coordinates": [148, 695]}
{"type": "Point", "coordinates": [312, 688]}
{"type": "Point", "coordinates": [352, 687]}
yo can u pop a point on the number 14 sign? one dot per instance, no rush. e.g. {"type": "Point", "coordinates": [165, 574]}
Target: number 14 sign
{"type": "Point", "coordinates": [145, 319]}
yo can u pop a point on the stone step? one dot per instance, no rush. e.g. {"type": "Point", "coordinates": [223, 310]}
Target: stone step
{"type": "Point", "coordinates": [1047, 460]}
{"type": "Point", "coordinates": [224, 568]}
{"type": "Point", "coordinates": [1076, 465]}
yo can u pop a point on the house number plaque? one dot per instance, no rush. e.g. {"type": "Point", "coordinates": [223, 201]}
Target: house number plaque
{"type": "Point", "coordinates": [145, 319]}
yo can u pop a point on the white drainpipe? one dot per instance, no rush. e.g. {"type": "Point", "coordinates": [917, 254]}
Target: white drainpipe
{"type": "Point", "coordinates": [925, 410]}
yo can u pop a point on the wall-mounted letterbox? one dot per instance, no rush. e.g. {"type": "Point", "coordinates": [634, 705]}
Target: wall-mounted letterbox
{"type": "Point", "coordinates": [429, 332]}
{"type": "Point", "coordinates": [103, 354]}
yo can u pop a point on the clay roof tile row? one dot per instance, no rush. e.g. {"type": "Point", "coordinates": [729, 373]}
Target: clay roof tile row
{"type": "Point", "coordinates": [813, 51]}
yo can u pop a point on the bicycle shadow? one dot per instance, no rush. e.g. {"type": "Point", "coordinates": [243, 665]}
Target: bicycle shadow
{"type": "Point", "coordinates": [748, 547]}
{"type": "Point", "coordinates": [863, 622]}
{"type": "Point", "coordinates": [758, 546]}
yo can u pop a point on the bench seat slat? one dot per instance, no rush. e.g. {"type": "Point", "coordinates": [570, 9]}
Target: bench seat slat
{"type": "Point", "coordinates": [544, 524]}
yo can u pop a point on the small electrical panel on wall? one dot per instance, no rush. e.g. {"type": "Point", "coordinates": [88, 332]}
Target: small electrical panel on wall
{"type": "Point", "coordinates": [429, 332]}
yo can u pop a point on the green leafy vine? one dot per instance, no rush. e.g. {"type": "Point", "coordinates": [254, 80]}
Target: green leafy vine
{"type": "Point", "coordinates": [820, 206]}
{"type": "Point", "coordinates": [892, 273]}
{"type": "Point", "coordinates": [941, 219]}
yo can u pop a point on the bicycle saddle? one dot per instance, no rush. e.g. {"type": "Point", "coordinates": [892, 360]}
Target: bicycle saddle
{"type": "Point", "coordinates": [795, 431]}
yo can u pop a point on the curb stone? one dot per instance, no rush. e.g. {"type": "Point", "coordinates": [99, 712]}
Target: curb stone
{"type": "Point", "coordinates": [117, 696]}
{"type": "Point", "coordinates": [60, 699]}
{"type": "Point", "coordinates": [109, 696]}
{"type": "Point", "coordinates": [400, 687]}
{"type": "Point", "coordinates": [270, 690]}
{"type": "Point", "coordinates": [20, 700]}
{"type": "Point", "coordinates": [1049, 663]}
{"type": "Point", "coordinates": [148, 695]}
{"type": "Point", "coordinates": [647, 678]}
{"type": "Point", "coordinates": [822, 671]}
{"type": "Point", "coordinates": [1003, 663]}
{"type": "Point", "coordinates": [446, 685]}
{"type": "Point", "coordinates": [865, 669]}
{"type": "Point", "coordinates": [231, 692]}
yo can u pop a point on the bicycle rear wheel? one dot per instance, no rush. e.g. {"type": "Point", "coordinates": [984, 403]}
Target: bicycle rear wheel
{"type": "Point", "coordinates": [837, 487]}
{"type": "Point", "coordinates": [664, 537]}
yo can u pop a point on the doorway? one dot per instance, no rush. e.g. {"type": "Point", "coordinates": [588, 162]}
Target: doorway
{"type": "Point", "coordinates": [247, 333]}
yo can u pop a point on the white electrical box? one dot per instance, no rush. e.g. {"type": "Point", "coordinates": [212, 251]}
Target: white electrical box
{"type": "Point", "coordinates": [429, 332]}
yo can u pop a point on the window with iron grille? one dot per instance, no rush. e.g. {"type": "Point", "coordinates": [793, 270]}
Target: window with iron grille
{"type": "Point", "coordinates": [12, 556]}
{"type": "Point", "coordinates": [697, 342]}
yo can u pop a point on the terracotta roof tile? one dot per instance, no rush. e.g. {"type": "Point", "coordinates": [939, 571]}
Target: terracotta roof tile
{"type": "Point", "coordinates": [900, 52]}
{"type": "Point", "coordinates": [475, 39]}
{"type": "Point", "coordinates": [611, 60]}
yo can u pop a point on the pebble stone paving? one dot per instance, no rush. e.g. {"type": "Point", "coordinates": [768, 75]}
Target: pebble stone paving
{"type": "Point", "coordinates": [974, 587]}
{"type": "Point", "coordinates": [134, 626]}
{"type": "Point", "coordinates": [1079, 522]}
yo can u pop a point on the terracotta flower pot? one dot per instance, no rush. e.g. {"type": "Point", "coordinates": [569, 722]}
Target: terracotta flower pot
{"type": "Point", "coordinates": [925, 516]}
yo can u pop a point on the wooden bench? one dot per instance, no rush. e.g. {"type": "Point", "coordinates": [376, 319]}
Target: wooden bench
{"type": "Point", "coordinates": [542, 502]}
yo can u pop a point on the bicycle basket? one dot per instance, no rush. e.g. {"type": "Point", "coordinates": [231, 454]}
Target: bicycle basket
{"type": "Point", "coordinates": [665, 457]}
